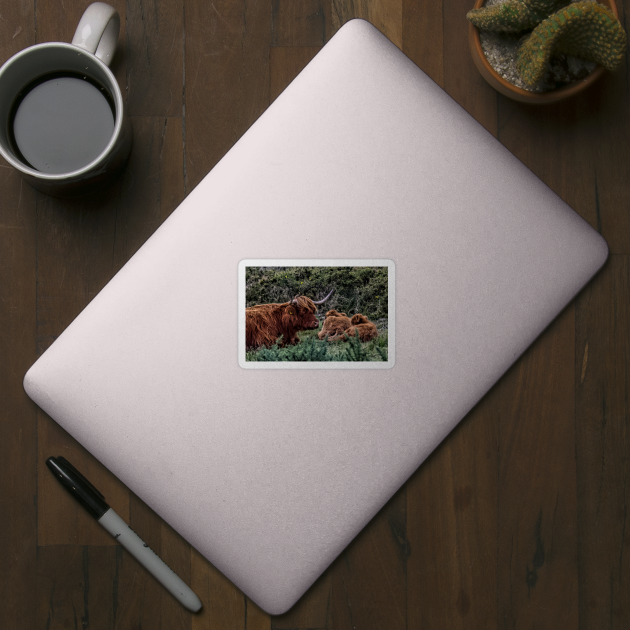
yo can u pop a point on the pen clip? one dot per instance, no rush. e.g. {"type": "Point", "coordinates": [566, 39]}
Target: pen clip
{"type": "Point", "coordinates": [62, 460]}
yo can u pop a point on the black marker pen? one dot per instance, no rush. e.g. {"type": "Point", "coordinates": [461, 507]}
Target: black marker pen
{"type": "Point", "coordinates": [94, 502]}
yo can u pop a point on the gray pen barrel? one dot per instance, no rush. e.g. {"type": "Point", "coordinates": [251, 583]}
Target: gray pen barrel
{"type": "Point", "coordinates": [149, 559]}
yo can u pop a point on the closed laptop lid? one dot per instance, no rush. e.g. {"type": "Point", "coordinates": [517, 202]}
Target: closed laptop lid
{"type": "Point", "coordinates": [270, 473]}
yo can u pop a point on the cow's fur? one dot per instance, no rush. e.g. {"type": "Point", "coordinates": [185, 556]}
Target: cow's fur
{"type": "Point", "coordinates": [334, 324]}
{"type": "Point", "coordinates": [360, 325]}
{"type": "Point", "coordinates": [264, 323]}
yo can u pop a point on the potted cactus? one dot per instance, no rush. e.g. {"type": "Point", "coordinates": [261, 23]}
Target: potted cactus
{"type": "Point", "coordinates": [558, 49]}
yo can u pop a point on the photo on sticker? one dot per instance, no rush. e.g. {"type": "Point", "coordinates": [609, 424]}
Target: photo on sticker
{"type": "Point", "coordinates": [316, 313]}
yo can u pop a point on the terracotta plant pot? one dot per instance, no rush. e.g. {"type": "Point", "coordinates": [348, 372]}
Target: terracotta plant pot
{"type": "Point", "coordinates": [519, 94]}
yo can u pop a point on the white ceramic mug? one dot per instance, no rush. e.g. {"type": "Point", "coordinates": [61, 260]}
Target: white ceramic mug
{"type": "Point", "coordinates": [87, 58]}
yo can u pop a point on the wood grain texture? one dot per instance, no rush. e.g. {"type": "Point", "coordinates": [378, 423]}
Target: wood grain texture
{"type": "Point", "coordinates": [300, 23]}
{"type": "Point", "coordinates": [151, 187]}
{"type": "Point", "coordinates": [76, 587]}
{"type": "Point", "coordinates": [149, 604]}
{"type": "Point", "coordinates": [574, 150]}
{"type": "Point", "coordinates": [226, 78]}
{"type": "Point", "coordinates": [452, 515]}
{"type": "Point", "coordinates": [313, 610]}
{"type": "Point", "coordinates": [60, 520]}
{"type": "Point", "coordinates": [537, 510]}
{"type": "Point", "coordinates": [519, 519]}
{"type": "Point", "coordinates": [422, 36]}
{"type": "Point", "coordinates": [369, 577]}
{"type": "Point", "coordinates": [461, 79]}
{"type": "Point", "coordinates": [602, 380]}
{"type": "Point", "coordinates": [609, 134]}
{"type": "Point", "coordinates": [18, 416]}
{"type": "Point", "coordinates": [154, 57]}
{"type": "Point", "coordinates": [285, 64]}
{"type": "Point", "coordinates": [224, 606]}
{"type": "Point", "coordinates": [386, 15]}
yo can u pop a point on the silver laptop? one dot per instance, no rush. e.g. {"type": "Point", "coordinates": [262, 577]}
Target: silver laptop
{"type": "Point", "coordinates": [362, 161]}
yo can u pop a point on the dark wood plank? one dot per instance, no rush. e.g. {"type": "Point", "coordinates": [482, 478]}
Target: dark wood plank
{"type": "Point", "coordinates": [17, 28]}
{"type": "Point", "coordinates": [558, 147]}
{"type": "Point", "coordinates": [255, 618]}
{"type": "Point", "coordinates": [313, 610]}
{"type": "Point", "coordinates": [603, 443]}
{"type": "Point", "coordinates": [154, 57]}
{"type": "Point", "coordinates": [452, 527]}
{"type": "Point", "coordinates": [57, 23]}
{"type": "Point", "coordinates": [461, 78]}
{"type": "Point", "coordinates": [224, 606]}
{"type": "Point", "coordinates": [152, 185]}
{"type": "Point", "coordinates": [226, 78]}
{"type": "Point", "coordinates": [18, 421]}
{"type": "Point", "coordinates": [422, 36]}
{"type": "Point", "coordinates": [300, 23]}
{"type": "Point", "coordinates": [537, 537]}
{"type": "Point", "coordinates": [76, 587]}
{"type": "Point", "coordinates": [285, 64]}
{"type": "Point", "coordinates": [60, 519]}
{"type": "Point", "coordinates": [171, 159]}
{"type": "Point", "coordinates": [369, 577]}
{"type": "Point", "coordinates": [386, 15]}
{"type": "Point", "coordinates": [608, 135]}
{"type": "Point", "coordinates": [572, 147]}
{"type": "Point", "coordinates": [18, 415]}
{"type": "Point", "coordinates": [142, 600]}
{"type": "Point", "coordinates": [74, 246]}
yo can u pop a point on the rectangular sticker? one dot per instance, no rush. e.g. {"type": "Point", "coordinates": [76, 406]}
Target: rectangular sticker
{"type": "Point", "coordinates": [316, 314]}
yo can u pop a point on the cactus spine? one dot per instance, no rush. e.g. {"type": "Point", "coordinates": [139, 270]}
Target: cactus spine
{"type": "Point", "coordinates": [583, 29]}
{"type": "Point", "coordinates": [513, 16]}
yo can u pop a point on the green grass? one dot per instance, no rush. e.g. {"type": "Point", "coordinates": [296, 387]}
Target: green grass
{"type": "Point", "coordinates": [311, 348]}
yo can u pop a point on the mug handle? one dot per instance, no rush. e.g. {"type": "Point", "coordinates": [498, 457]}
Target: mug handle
{"type": "Point", "coordinates": [98, 30]}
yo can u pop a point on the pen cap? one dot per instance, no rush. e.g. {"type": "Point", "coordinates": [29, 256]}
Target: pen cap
{"type": "Point", "coordinates": [78, 486]}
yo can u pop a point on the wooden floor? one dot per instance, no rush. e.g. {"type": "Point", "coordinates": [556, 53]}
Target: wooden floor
{"type": "Point", "coordinates": [518, 520]}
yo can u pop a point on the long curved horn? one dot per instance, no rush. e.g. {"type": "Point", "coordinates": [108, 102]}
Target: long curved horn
{"type": "Point", "coordinates": [322, 301]}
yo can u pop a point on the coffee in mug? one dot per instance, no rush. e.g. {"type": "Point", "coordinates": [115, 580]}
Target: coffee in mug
{"type": "Point", "coordinates": [65, 128]}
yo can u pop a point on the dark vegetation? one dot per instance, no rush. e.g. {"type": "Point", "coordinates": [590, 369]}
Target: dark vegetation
{"type": "Point", "coordinates": [356, 290]}
{"type": "Point", "coordinates": [311, 348]}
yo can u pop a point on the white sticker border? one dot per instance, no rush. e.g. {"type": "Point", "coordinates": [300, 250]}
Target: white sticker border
{"type": "Point", "coordinates": [317, 365]}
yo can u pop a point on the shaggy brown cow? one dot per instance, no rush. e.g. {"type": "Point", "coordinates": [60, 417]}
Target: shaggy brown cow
{"type": "Point", "coordinates": [334, 324]}
{"type": "Point", "coordinates": [264, 323]}
{"type": "Point", "coordinates": [362, 325]}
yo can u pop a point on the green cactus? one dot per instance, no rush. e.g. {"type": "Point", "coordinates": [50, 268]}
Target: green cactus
{"type": "Point", "coordinates": [513, 16]}
{"type": "Point", "coordinates": [583, 29]}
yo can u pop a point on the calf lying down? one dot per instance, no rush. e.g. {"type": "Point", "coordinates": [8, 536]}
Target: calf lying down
{"type": "Point", "coordinates": [338, 325]}
{"type": "Point", "coordinates": [334, 324]}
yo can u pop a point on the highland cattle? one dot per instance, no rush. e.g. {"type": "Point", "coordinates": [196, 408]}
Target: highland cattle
{"type": "Point", "coordinates": [264, 323]}
{"type": "Point", "coordinates": [334, 324]}
{"type": "Point", "coordinates": [361, 325]}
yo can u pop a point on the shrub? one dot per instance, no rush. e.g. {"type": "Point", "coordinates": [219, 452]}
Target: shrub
{"type": "Point", "coordinates": [357, 289]}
